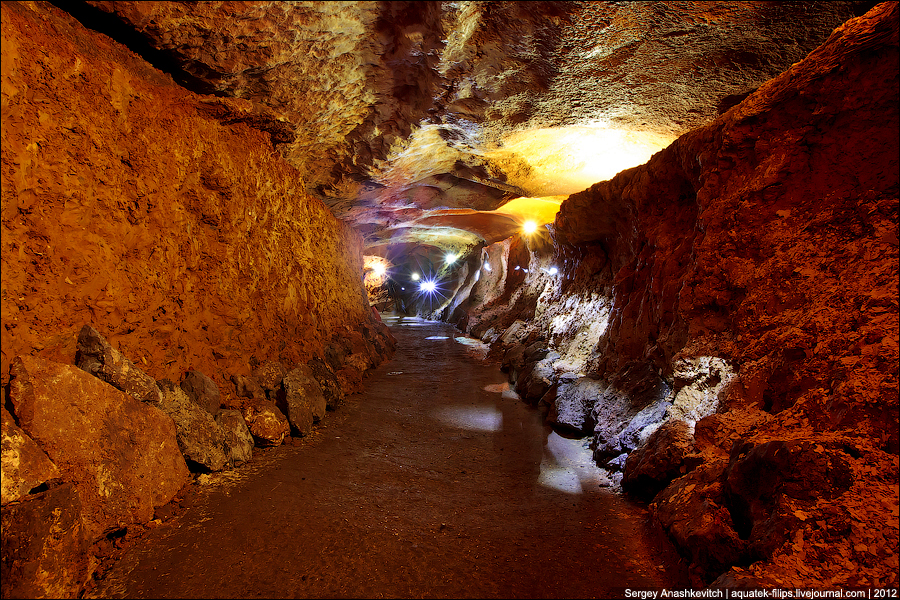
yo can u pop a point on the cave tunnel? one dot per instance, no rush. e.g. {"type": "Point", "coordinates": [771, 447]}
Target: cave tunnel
{"type": "Point", "coordinates": [449, 299]}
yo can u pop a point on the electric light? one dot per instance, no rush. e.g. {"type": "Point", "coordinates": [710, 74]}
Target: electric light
{"type": "Point", "coordinates": [553, 271]}
{"type": "Point", "coordinates": [414, 276]}
{"type": "Point", "coordinates": [450, 258]}
{"type": "Point", "coordinates": [529, 227]}
{"type": "Point", "coordinates": [427, 286]}
{"type": "Point", "coordinates": [378, 269]}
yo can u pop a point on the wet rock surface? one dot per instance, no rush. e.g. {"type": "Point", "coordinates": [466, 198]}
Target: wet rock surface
{"type": "Point", "coordinates": [426, 484]}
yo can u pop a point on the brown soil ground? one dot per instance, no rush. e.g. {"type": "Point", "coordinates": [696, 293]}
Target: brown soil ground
{"type": "Point", "coordinates": [429, 484]}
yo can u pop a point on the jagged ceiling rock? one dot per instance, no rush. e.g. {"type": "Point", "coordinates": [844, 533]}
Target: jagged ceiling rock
{"type": "Point", "coordinates": [395, 110]}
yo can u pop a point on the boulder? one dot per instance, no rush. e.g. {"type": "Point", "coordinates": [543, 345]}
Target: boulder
{"type": "Point", "coordinates": [45, 553]}
{"type": "Point", "coordinates": [514, 361]}
{"type": "Point", "coordinates": [24, 465]}
{"type": "Point", "coordinates": [238, 440]}
{"type": "Point", "coordinates": [266, 423]}
{"type": "Point", "coordinates": [121, 454]}
{"type": "Point", "coordinates": [203, 391]}
{"type": "Point", "coordinates": [693, 513]}
{"type": "Point", "coordinates": [336, 354]}
{"type": "Point", "coordinates": [96, 356]}
{"type": "Point", "coordinates": [328, 383]}
{"type": "Point", "coordinates": [350, 378]}
{"type": "Point", "coordinates": [766, 483]}
{"type": "Point", "coordinates": [630, 406]}
{"type": "Point", "coordinates": [539, 376]}
{"type": "Point", "coordinates": [574, 403]}
{"type": "Point", "coordinates": [304, 403]}
{"type": "Point", "coordinates": [248, 387]}
{"type": "Point", "coordinates": [269, 375]}
{"type": "Point", "coordinates": [201, 440]}
{"type": "Point", "coordinates": [659, 460]}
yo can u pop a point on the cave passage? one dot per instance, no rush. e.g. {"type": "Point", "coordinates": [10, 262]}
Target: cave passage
{"type": "Point", "coordinates": [431, 483]}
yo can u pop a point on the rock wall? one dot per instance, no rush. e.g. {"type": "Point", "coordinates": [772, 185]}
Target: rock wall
{"type": "Point", "coordinates": [162, 217]}
{"type": "Point", "coordinates": [150, 235]}
{"type": "Point", "coordinates": [724, 322]}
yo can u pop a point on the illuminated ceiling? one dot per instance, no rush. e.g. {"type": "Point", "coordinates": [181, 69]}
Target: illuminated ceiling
{"type": "Point", "coordinates": [447, 124]}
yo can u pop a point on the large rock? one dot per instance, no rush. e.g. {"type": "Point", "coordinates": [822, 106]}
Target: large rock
{"type": "Point", "coordinates": [328, 383]}
{"type": "Point", "coordinates": [97, 356]}
{"type": "Point", "coordinates": [269, 376]}
{"type": "Point", "coordinates": [45, 553]}
{"type": "Point", "coordinates": [659, 460]}
{"type": "Point", "coordinates": [304, 403]}
{"type": "Point", "coordinates": [630, 406]}
{"type": "Point", "coordinates": [267, 424]}
{"type": "Point", "coordinates": [765, 484]}
{"type": "Point", "coordinates": [24, 465]}
{"type": "Point", "coordinates": [201, 440]}
{"type": "Point", "coordinates": [248, 387]}
{"type": "Point", "coordinates": [574, 404]}
{"type": "Point", "coordinates": [350, 379]}
{"type": "Point", "coordinates": [202, 390]}
{"type": "Point", "coordinates": [121, 454]}
{"type": "Point", "coordinates": [238, 439]}
{"type": "Point", "coordinates": [694, 514]}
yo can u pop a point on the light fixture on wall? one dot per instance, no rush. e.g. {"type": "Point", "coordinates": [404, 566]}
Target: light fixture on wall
{"type": "Point", "coordinates": [529, 227]}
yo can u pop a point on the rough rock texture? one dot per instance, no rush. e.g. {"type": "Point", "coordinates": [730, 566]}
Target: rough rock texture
{"type": "Point", "coordinates": [203, 391]}
{"type": "Point", "coordinates": [659, 460]}
{"type": "Point", "coordinates": [44, 546]}
{"type": "Point", "coordinates": [201, 440]}
{"type": "Point", "coordinates": [269, 375]}
{"type": "Point", "coordinates": [693, 512]}
{"type": "Point", "coordinates": [24, 465]}
{"type": "Point", "coordinates": [129, 204]}
{"type": "Point", "coordinates": [750, 269]}
{"type": "Point", "coordinates": [121, 454]}
{"type": "Point", "coordinates": [403, 113]}
{"type": "Point", "coordinates": [574, 403]}
{"type": "Point", "coordinates": [304, 403]}
{"type": "Point", "coordinates": [266, 423]}
{"type": "Point", "coordinates": [238, 440]}
{"type": "Point", "coordinates": [328, 383]}
{"type": "Point", "coordinates": [97, 356]}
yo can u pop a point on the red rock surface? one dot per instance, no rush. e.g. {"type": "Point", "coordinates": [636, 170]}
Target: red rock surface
{"type": "Point", "coordinates": [186, 241]}
{"type": "Point", "coordinates": [767, 239]}
{"type": "Point", "coordinates": [121, 454]}
{"type": "Point", "coordinates": [44, 548]}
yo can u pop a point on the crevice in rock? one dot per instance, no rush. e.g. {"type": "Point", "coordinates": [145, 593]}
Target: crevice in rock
{"type": "Point", "coordinates": [113, 27]}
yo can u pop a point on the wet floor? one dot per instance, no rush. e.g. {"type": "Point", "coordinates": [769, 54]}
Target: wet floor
{"type": "Point", "coordinates": [432, 483]}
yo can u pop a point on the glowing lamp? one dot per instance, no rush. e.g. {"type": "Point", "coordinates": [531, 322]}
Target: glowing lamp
{"type": "Point", "coordinates": [450, 258]}
{"type": "Point", "coordinates": [529, 227]}
{"type": "Point", "coordinates": [553, 271]}
{"type": "Point", "coordinates": [414, 276]}
{"type": "Point", "coordinates": [427, 286]}
{"type": "Point", "coordinates": [378, 269]}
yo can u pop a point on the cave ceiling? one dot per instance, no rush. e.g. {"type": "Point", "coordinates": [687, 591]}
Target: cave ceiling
{"type": "Point", "coordinates": [447, 124]}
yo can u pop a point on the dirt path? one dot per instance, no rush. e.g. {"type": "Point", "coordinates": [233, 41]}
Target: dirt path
{"type": "Point", "coordinates": [430, 484]}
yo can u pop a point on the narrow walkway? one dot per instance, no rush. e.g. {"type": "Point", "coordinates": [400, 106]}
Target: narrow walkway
{"type": "Point", "coordinates": [429, 484]}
